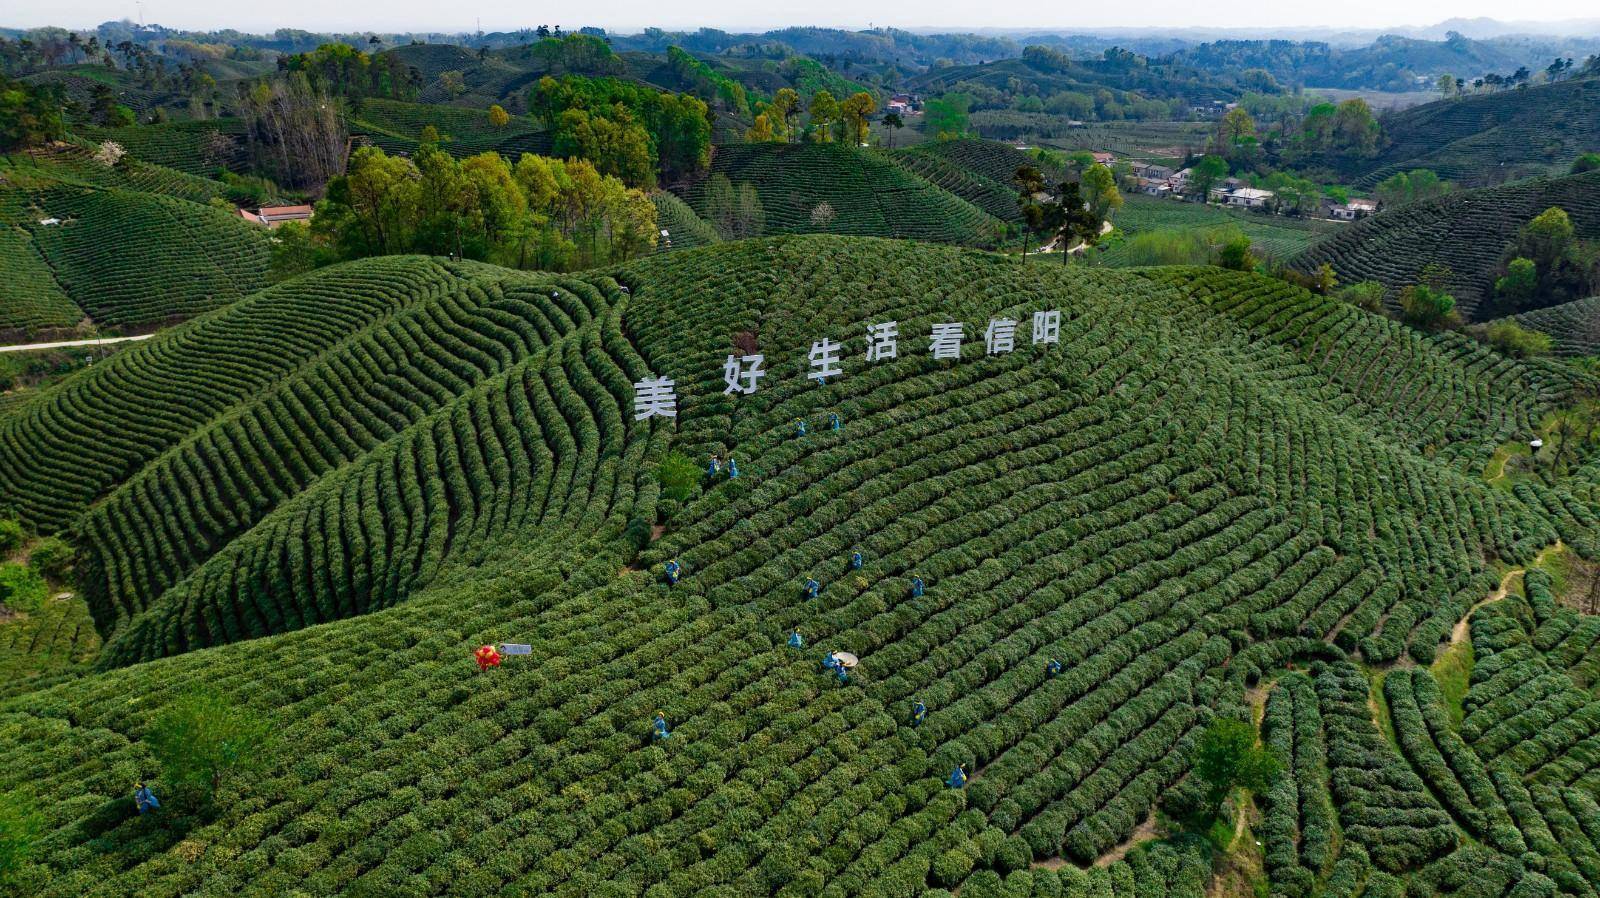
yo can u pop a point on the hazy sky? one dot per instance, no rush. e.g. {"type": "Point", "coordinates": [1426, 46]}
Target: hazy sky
{"type": "Point", "coordinates": [630, 15]}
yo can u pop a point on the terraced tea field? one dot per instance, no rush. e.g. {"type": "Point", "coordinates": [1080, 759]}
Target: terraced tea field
{"type": "Point", "coordinates": [1573, 326]}
{"type": "Point", "coordinates": [1466, 231]}
{"type": "Point", "coordinates": [341, 486]}
{"type": "Point", "coordinates": [867, 194]}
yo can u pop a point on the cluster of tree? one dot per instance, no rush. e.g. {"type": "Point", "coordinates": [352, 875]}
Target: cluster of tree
{"type": "Point", "coordinates": [628, 131]}
{"type": "Point", "coordinates": [1072, 213]}
{"type": "Point", "coordinates": [846, 119]}
{"type": "Point", "coordinates": [294, 132]}
{"type": "Point", "coordinates": [1342, 131]}
{"type": "Point", "coordinates": [946, 117]}
{"type": "Point", "coordinates": [540, 213]}
{"type": "Point", "coordinates": [716, 89]}
{"type": "Point", "coordinates": [341, 70]}
{"type": "Point", "coordinates": [1404, 188]}
{"type": "Point", "coordinates": [1348, 129]}
{"type": "Point", "coordinates": [735, 211]}
{"type": "Point", "coordinates": [30, 114]}
{"type": "Point", "coordinates": [1427, 305]}
{"type": "Point", "coordinates": [1451, 86]}
{"type": "Point", "coordinates": [52, 47]}
{"type": "Point", "coordinates": [1546, 265]}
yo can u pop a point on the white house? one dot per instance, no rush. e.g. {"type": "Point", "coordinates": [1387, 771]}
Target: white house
{"type": "Point", "coordinates": [1248, 197]}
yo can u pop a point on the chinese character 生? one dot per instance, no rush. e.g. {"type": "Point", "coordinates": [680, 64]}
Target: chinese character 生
{"type": "Point", "coordinates": [824, 360]}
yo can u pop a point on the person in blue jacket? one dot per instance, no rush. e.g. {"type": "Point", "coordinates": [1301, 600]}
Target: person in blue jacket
{"type": "Point", "coordinates": [1052, 668]}
{"type": "Point", "coordinates": [796, 641]}
{"type": "Point", "coordinates": [144, 799]}
{"type": "Point", "coordinates": [714, 467]}
{"type": "Point", "coordinates": [658, 728]}
{"type": "Point", "coordinates": [916, 587]}
{"type": "Point", "coordinates": [855, 560]}
{"type": "Point", "coordinates": [672, 571]}
{"type": "Point", "coordinates": [958, 777]}
{"type": "Point", "coordinates": [811, 588]}
{"type": "Point", "coordinates": [919, 713]}
{"type": "Point", "coordinates": [733, 468]}
{"type": "Point", "coordinates": [800, 427]}
{"type": "Point", "coordinates": [834, 421]}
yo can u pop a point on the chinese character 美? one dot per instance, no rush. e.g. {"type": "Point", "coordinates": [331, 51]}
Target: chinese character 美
{"type": "Point", "coordinates": [654, 396]}
{"type": "Point", "coordinates": [739, 378]}
{"type": "Point", "coordinates": [998, 338]}
{"type": "Point", "coordinates": [882, 341]}
{"type": "Point", "coordinates": [945, 340]}
{"type": "Point", "coordinates": [1047, 327]}
{"type": "Point", "coordinates": [824, 360]}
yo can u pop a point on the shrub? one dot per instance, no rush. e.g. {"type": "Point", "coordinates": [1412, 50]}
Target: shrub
{"type": "Point", "coordinates": [21, 588]}
{"type": "Point", "coordinates": [203, 737]}
{"type": "Point", "coordinates": [678, 475]}
{"type": "Point", "coordinates": [1516, 341]}
{"type": "Point", "coordinates": [12, 535]}
{"type": "Point", "coordinates": [53, 557]}
{"type": "Point", "coordinates": [20, 826]}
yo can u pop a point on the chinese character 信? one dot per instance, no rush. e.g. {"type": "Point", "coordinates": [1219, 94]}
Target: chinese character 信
{"type": "Point", "coordinates": [999, 337]}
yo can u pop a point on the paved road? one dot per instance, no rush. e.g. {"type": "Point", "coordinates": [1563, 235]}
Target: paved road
{"type": "Point", "coordinates": [30, 347]}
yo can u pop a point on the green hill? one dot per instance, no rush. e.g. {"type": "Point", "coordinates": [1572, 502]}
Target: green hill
{"type": "Point", "coordinates": [1488, 138]}
{"type": "Point", "coordinates": [132, 243]}
{"type": "Point", "coordinates": [194, 147]}
{"type": "Point", "coordinates": [1466, 231]}
{"type": "Point", "coordinates": [395, 126]}
{"type": "Point", "coordinates": [1573, 326]}
{"type": "Point", "coordinates": [685, 230]}
{"type": "Point", "coordinates": [868, 194]}
{"type": "Point", "coordinates": [346, 483]}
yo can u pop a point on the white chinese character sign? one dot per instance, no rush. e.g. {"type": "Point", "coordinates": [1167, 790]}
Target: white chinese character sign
{"type": "Point", "coordinates": [1047, 327]}
{"type": "Point", "coordinates": [999, 337]}
{"type": "Point", "coordinates": [944, 341]}
{"type": "Point", "coordinates": [824, 360]}
{"type": "Point", "coordinates": [883, 341]}
{"type": "Point", "coordinates": [741, 373]}
{"type": "Point", "coordinates": [654, 396]}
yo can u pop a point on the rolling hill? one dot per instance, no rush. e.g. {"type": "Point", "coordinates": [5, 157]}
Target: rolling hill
{"type": "Point", "coordinates": [1488, 138]}
{"type": "Point", "coordinates": [1466, 231]}
{"type": "Point", "coordinates": [867, 193]}
{"type": "Point", "coordinates": [340, 486]}
{"type": "Point", "coordinates": [1574, 327]}
{"type": "Point", "coordinates": [131, 243]}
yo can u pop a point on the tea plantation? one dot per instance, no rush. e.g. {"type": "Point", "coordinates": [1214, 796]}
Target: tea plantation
{"type": "Point", "coordinates": [125, 244]}
{"type": "Point", "coordinates": [1215, 496]}
{"type": "Point", "coordinates": [1574, 327]}
{"type": "Point", "coordinates": [864, 194]}
{"type": "Point", "coordinates": [1467, 231]}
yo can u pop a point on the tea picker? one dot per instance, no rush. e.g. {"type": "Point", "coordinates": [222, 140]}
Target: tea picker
{"type": "Point", "coordinates": [919, 713]}
{"type": "Point", "coordinates": [487, 656]}
{"type": "Point", "coordinates": [799, 427]}
{"type": "Point", "coordinates": [834, 421]}
{"type": "Point", "coordinates": [796, 641]}
{"type": "Point", "coordinates": [1052, 668]}
{"type": "Point", "coordinates": [916, 587]}
{"type": "Point", "coordinates": [144, 799]}
{"type": "Point", "coordinates": [714, 467]}
{"type": "Point", "coordinates": [658, 728]}
{"type": "Point", "coordinates": [672, 571]}
{"type": "Point", "coordinates": [855, 560]}
{"type": "Point", "coordinates": [958, 777]}
{"type": "Point", "coordinates": [811, 588]}
{"type": "Point", "coordinates": [733, 468]}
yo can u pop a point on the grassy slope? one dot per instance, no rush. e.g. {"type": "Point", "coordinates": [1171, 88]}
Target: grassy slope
{"type": "Point", "coordinates": [1274, 236]}
{"type": "Point", "coordinates": [1212, 472]}
{"type": "Point", "coordinates": [1573, 326]}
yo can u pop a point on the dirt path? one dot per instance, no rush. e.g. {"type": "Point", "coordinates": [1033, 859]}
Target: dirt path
{"type": "Point", "coordinates": [1462, 629]}
{"type": "Point", "coordinates": [61, 344]}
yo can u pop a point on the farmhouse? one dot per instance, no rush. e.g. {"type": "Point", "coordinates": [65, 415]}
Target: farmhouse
{"type": "Point", "coordinates": [1353, 210]}
{"type": "Point", "coordinates": [1247, 197]}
